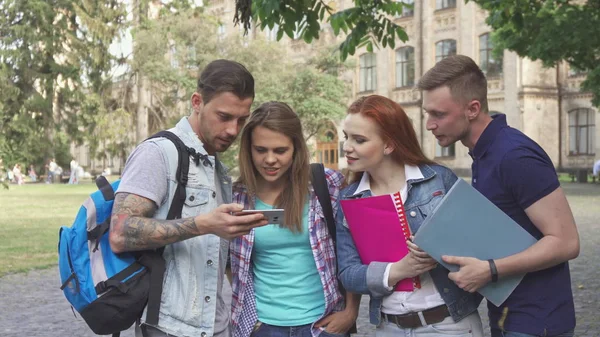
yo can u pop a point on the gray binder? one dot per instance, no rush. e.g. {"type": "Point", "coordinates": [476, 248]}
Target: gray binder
{"type": "Point", "coordinates": [466, 223]}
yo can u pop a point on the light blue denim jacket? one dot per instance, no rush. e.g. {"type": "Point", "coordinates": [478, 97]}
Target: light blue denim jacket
{"type": "Point", "coordinates": [189, 296]}
{"type": "Point", "coordinates": [423, 196]}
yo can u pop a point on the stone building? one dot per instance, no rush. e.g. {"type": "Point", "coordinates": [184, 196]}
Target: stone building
{"type": "Point", "coordinates": [544, 103]}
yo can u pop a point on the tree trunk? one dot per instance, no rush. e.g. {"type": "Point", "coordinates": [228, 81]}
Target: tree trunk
{"type": "Point", "coordinates": [142, 109]}
{"type": "Point", "coordinates": [140, 13]}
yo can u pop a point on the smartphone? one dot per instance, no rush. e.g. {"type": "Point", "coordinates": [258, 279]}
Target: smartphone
{"type": "Point", "coordinates": [274, 216]}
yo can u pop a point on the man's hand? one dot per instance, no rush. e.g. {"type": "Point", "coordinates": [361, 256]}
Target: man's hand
{"type": "Point", "coordinates": [224, 224]}
{"type": "Point", "coordinates": [338, 322]}
{"type": "Point", "coordinates": [415, 263]}
{"type": "Point", "coordinates": [472, 275]}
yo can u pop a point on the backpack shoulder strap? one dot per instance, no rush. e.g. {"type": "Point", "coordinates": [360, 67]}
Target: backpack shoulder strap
{"type": "Point", "coordinates": [153, 259]}
{"type": "Point", "coordinates": [181, 175]}
{"type": "Point", "coordinates": [105, 187]}
{"type": "Point", "coordinates": [319, 183]}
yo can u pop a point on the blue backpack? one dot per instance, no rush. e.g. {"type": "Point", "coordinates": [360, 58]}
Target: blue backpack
{"type": "Point", "coordinates": [110, 290]}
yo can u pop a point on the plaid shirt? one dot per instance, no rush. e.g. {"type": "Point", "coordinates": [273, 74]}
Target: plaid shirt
{"type": "Point", "coordinates": [243, 304]}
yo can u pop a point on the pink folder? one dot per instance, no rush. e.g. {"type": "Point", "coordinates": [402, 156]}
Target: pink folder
{"type": "Point", "coordinates": [379, 228]}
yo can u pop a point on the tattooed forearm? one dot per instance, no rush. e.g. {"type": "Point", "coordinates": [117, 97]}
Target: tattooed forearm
{"type": "Point", "coordinates": [132, 226]}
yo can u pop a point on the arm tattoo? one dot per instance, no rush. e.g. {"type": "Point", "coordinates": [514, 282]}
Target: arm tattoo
{"type": "Point", "coordinates": [132, 219]}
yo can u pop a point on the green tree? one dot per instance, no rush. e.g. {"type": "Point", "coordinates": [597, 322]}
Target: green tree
{"type": "Point", "coordinates": [551, 31]}
{"type": "Point", "coordinates": [172, 49]}
{"type": "Point", "coordinates": [53, 54]}
{"type": "Point", "coordinates": [369, 23]}
{"type": "Point", "coordinates": [313, 88]}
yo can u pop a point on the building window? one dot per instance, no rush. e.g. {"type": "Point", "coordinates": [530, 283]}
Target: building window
{"type": "Point", "coordinates": [582, 130]}
{"type": "Point", "coordinates": [173, 56]}
{"type": "Point", "coordinates": [191, 58]}
{"type": "Point", "coordinates": [447, 151]}
{"type": "Point", "coordinates": [405, 67]}
{"type": "Point", "coordinates": [573, 72]}
{"type": "Point", "coordinates": [368, 72]}
{"type": "Point", "coordinates": [327, 148]}
{"type": "Point", "coordinates": [444, 49]}
{"type": "Point", "coordinates": [490, 65]}
{"type": "Point", "coordinates": [442, 4]}
{"type": "Point", "coordinates": [407, 10]}
{"type": "Point", "coordinates": [221, 31]}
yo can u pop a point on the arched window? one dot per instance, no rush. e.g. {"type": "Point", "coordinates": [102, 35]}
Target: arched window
{"type": "Point", "coordinates": [582, 131]}
{"type": "Point", "coordinates": [368, 72]}
{"type": "Point", "coordinates": [490, 65]}
{"type": "Point", "coordinates": [327, 147]}
{"type": "Point", "coordinates": [405, 67]}
{"type": "Point", "coordinates": [444, 49]}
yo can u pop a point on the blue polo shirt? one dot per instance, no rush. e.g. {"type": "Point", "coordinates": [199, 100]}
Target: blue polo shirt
{"type": "Point", "coordinates": [514, 172]}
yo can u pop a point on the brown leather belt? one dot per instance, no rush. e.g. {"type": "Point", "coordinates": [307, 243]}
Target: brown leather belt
{"type": "Point", "coordinates": [412, 320]}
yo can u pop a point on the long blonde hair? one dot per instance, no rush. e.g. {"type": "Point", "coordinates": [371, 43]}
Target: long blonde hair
{"type": "Point", "coordinates": [279, 117]}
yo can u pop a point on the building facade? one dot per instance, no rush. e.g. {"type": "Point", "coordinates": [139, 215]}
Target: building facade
{"type": "Point", "coordinates": [544, 103]}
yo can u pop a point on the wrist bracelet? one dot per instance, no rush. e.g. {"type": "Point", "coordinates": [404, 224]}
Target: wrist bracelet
{"type": "Point", "coordinates": [493, 270]}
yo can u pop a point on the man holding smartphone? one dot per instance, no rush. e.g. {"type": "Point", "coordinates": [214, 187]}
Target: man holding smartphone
{"type": "Point", "coordinates": [196, 245]}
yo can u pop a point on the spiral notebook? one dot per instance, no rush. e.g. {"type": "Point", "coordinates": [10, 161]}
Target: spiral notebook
{"type": "Point", "coordinates": [379, 229]}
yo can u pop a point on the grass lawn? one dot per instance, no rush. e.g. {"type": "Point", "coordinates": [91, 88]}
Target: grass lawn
{"type": "Point", "coordinates": [30, 217]}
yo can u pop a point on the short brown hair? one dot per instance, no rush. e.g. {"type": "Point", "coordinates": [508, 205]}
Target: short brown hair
{"type": "Point", "coordinates": [225, 76]}
{"type": "Point", "coordinates": [461, 75]}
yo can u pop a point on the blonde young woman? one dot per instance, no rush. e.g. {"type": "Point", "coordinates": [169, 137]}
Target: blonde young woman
{"type": "Point", "coordinates": [284, 276]}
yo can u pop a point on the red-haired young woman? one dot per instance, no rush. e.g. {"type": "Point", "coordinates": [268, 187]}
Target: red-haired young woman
{"type": "Point", "coordinates": [384, 157]}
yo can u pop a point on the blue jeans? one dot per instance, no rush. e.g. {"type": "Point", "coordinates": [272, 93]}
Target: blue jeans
{"type": "Point", "coordinates": [267, 330]}
{"type": "Point", "coordinates": [500, 333]}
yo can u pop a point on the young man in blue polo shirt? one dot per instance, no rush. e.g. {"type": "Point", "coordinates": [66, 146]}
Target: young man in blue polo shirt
{"type": "Point", "coordinates": [517, 175]}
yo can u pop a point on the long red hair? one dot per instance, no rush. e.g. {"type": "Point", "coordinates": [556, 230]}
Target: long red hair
{"type": "Point", "coordinates": [395, 127]}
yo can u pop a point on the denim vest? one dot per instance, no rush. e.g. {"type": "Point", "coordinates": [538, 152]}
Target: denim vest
{"type": "Point", "coordinates": [423, 196]}
{"type": "Point", "coordinates": [189, 295]}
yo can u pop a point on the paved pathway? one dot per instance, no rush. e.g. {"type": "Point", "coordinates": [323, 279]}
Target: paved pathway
{"type": "Point", "coordinates": [32, 305]}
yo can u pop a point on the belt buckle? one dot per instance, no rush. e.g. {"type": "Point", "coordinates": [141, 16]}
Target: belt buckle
{"type": "Point", "coordinates": [396, 319]}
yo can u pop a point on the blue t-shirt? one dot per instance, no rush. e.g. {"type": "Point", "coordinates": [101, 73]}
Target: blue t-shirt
{"type": "Point", "coordinates": [514, 172]}
{"type": "Point", "coordinates": [287, 284]}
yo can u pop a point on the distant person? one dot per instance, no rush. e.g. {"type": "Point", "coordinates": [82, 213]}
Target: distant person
{"type": "Point", "coordinates": [596, 170]}
{"type": "Point", "coordinates": [32, 174]}
{"type": "Point", "coordinates": [2, 172]}
{"type": "Point", "coordinates": [51, 168]}
{"type": "Point", "coordinates": [106, 172]}
{"type": "Point", "coordinates": [73, 177]}
{"type": "Point", "coordinates": [17, 175]}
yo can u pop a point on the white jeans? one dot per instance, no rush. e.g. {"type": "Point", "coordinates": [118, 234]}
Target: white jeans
{"type": "Point", "coordinates": [469, 326]}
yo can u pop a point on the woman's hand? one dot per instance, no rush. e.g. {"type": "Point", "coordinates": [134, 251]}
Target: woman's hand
{"type": "Point", "coordinates": [415, 263]}
{"type": "Point", "coordinates": [338, 322]}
